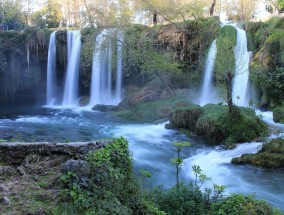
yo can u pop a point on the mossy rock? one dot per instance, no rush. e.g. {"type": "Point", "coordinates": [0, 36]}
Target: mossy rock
{"type": "Point", "coordinates": [151, 111]}
{"type": "Point", "coordinates": [278, 114]}
{"type": "Point", "coordinates": [185, 117]}
{"type": "Point", "coordinates": [271, 155]}
{"type": "Point", "coordinates": [241, 125]}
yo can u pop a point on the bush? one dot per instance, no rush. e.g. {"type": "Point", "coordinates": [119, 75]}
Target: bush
{"type": "Point", "coordinates": [278, 114]}
{"type": "Point", "coordinates": [111, 188]}
{"type": "Point", "coordinates": [236, 204]}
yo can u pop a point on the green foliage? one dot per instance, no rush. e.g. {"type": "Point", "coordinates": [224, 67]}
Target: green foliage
{"type": "Point", "coordinates": [278, 114]}
{"type": "Point", "coordinates": [153, 110]}
{"type": "Point", "coordinates": [236, 204]}
{"type": "Point", "coordinates": [111, 188]}
{"type": "Point", "coordinates": [268, 63]}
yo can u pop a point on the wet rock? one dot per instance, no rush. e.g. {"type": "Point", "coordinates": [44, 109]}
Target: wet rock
{"type": "Point", "coordinates": [5, 200]}
{"type": "Point", "coordinates": [79, 167]}
{"type": "Point", "coordinates": [105, 108]}
{"type": "Point", "coordinates": [7, 171]}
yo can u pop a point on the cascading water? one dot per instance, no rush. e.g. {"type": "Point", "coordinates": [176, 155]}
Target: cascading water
{"type": "Point", "coordinates": [241, 79]}
{"type": "Point", "coordinates": [70, 97]}
{"type": "Point", "coordinates": [118, 88]}
{"type": "Point", "coordinates": [51, 71]}
{"type": "Point", "coordinates": [242, 56]}
{"type": "Point", "coordinates": [208, 92]}
{"type": "Point", "coordinates": [101, 83]}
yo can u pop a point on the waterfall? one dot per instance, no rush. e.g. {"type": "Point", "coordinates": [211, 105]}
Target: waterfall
{"type": "Point", "coordinates": [118, 92]}
{"type": "Point", "coordinates": [101, 83]}
{"type": "Point", "coordinates": [241, 79]}
{"type": "Point", "coordinates": [70, 97]}
{"type": "Point", "coordinates": [51, 71]}
{"type": "Point", "coordinates": [208, 92]}
{"type": "Point", "coordinates": [242, 56]}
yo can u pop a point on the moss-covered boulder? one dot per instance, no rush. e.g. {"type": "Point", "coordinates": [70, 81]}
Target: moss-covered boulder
{"type": "Point", "coordinates": [214, 122]}
{"type": "Point", "coordinates": [185, 117]}
{"type": "Point", "coordinates": [151, 111]}
{"type": "Point", "coordinates": [271, 155]}
{"type": "Point", "coordinates": [278, 114]}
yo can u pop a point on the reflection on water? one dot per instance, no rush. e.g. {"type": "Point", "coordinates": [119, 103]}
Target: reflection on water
{"type": "Point", "coordinates": [150, 145]}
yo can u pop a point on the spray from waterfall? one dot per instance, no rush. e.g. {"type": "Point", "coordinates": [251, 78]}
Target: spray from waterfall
{"type": "Point", "coordinates": [51, 71]}
{"type": "Point", "coordinates": [70, 97]}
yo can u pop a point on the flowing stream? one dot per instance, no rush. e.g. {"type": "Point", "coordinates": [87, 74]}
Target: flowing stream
{"type": "Point", "coordinates": [150, 145]}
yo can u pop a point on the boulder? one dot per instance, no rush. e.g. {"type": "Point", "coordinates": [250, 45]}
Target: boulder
{"type": "Point", "coordinates": [79, 167]}
{"type": "Point", "coordinates": [185, 117]}
{"type": "Point", "coordinates": [105, 108]}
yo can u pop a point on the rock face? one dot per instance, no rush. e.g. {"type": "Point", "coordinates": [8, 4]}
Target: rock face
{"type": "Point", "coordinates": [15, 153]}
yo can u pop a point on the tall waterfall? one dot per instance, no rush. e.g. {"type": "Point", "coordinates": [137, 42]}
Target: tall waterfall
{"type": "Point", "coordinates": [70, 96]}
{"type": "Point", "coordinates": [208, 91]}
{"type": "Point", "coordinates": [51, 71]}
{"type": "Point", "coordinates": [242, 56]}
{"type": "Point", "coordinates": [118, 88]}
{"type": "Point", "coordinates": [101, 83]}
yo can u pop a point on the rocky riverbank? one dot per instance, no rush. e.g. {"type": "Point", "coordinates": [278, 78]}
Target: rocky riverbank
{"type": "Point", "coordinates": [30, 172]}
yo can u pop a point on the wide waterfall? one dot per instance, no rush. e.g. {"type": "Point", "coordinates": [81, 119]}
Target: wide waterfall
{"type": "Point", "coordinates": [208, 91]}
{"type": "Point", "coordinates": [242, 56]}
{"type": "Point", "coordinates": [51, 71]}
{"type": "Point", "coordinates": [70, 97]}
{"type": "Point", "coordinates": [102, 91]}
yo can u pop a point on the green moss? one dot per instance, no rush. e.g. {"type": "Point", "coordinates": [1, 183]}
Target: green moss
{"type": "Point", "coordinates": [278, 114]}
{"type": "Point", "coordinates": [240, 126]}
{"type": "Point", "coordinates": [185, 117]}
{"type": "Point", "coordinates": [153, 110]}
{"type": "Point", "coordinates": [271, 155]}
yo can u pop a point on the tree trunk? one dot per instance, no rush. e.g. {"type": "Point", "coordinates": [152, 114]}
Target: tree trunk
{"type": "Point", "coordinates": [212, 7]}
{"type": "Point", "coordinates": [155, 17]}
{"type": "Point", "coordinates": [229, 80]}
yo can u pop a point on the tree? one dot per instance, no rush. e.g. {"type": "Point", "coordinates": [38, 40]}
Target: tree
{"type": "Point", "coordinates": [11, 14]}
{"type": "Point", "coordinates": [275, 6]}
{"type": "Point", "coordinates": [211, 10]}
{"type": "Point", "coordinates": [225, 61]}
{"type": "Point", "coordinates": [171, 10]}
{"type": "Point", "coordinates": [178, 161]}
{"type": "Point", "coordinates": [27, 6]}
{"type": "Point", "coordinates": [241, 10]}
{"type": "Point", "coordinates": [48, 16]}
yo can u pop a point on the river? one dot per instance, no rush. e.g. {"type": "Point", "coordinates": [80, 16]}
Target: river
{"type": "Point", "coordinates": [150, 146]}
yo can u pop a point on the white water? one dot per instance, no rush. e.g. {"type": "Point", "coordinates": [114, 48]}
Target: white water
{"type": "Point", "coordinates": [241, 79]}
{"type": "Point", "coordinates": [240, 83]}
{"type": "Point", "coordinates": [102, 91]}
{"type": "Point", "coordinates": [119, 75]}
{"type": "Point", "coordinates": [70, 96]}
{"type": "Point", "coordinates": [51, 71]}
{"type": "Point", "coordinates": [216, 164]}
{"type": "Point", "coordinates": [208, 91]}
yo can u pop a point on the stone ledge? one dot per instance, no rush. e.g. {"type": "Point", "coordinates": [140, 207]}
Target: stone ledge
{"type": "Point", "coordinates": [13, 153]}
